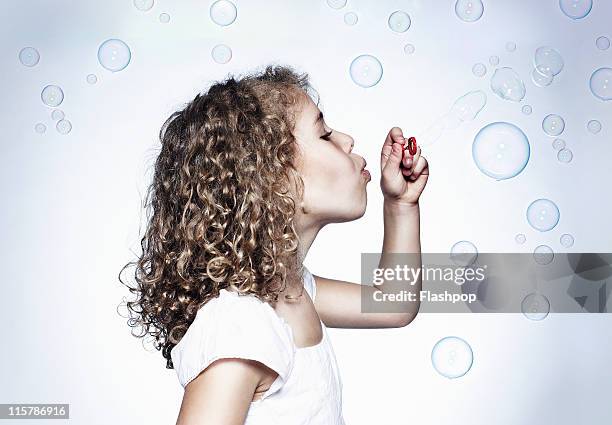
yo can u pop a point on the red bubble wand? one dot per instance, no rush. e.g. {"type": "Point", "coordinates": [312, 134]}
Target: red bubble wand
{"type": "Point", "coordinates": [411, 147]}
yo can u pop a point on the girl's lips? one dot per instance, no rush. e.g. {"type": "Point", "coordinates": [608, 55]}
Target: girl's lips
{"type": "Point", "coordinates": [366, 174]}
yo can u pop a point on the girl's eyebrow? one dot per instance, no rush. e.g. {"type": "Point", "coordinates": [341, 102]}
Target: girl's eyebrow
{"type": "Point", "coordinates": [319, 118]}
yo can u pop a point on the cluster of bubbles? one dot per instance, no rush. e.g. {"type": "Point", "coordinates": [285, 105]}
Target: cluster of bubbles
{"type": "Point", "coordinates": [146, 5]}
{"type": "Point", "coordinates": [53, 96]}
{"type": "Point", "coordinates": [547, 63]}
{"type": "Point", "coordinates": [469, 10]}
{"type": "Point", "coordinates": [553, 125]}
{"type": "Point", "coordinates": [563, 154]}
{"type": "Point", "coordinates": [452, 357]}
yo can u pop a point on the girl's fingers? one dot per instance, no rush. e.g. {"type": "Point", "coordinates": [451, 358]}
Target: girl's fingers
{"type": "Point", "coordinates": [420, 168]}
{"type": "Point", "coordinates": [409, 162]}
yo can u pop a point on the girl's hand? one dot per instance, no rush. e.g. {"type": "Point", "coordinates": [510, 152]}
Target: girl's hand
{"type": "Point", "coordinates": [402, 182]}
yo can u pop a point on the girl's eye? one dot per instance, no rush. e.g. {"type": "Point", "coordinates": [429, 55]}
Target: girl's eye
{"type": "Point", "coordinates": [326, 135]}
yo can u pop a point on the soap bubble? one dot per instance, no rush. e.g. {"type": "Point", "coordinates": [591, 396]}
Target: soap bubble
{"type": "Point", "coordinates": [565, 155]}
{"type": "Point", "coordinates": [541, 77]}
{"type": "Point", "coordinates": [63, 126]}
{"type": "Point", "coordinates": [350, 18]}
{"type": "Point", "coordinates": [520, 239]}
{"type": "Point", "coordinates": [29, 56]}
{"type": "Point", "coordinates": [566, 240]}
{"type": "Point", "coordinates": [336, 4]}
{"type": "Point", "coordinates": [452, 357]}
{"type": "Point", "coordinates": [164, 18]}
{"type": "Point", "coordinates": [527, 109]}
{"type": "Point", "coordinates": [221, 53]}
{"type": "Point", "coordinates": [114, 55]}
{"type": "Point", "coordinates": [553, 125]}
{"type": "Point", "coordinates": [40, 128]}
{"type": "Point", "coordinates": [143, 5]}
{"type": "Point", "coordinates": [494, 60]}
{"type": "Point", "coordinates": [366, 70]}
{"type": "Point", "coordinates": [535, 306]}
{"type": "Point", "coordinates": [548, 60]}
{"type": "Point", "coordinates": [500, 150]}
{"type": "Point", "coordinates": [399, 21]}
{"type": "Point", "coordinates": [52, 95]}
{"type": "Point", "coordinates": [558, 144]}
{"type": "Point", "coordinates": [602, 43]}
{"type": "Point", "coordinates": [463, 253]}
{"type": "Point", "coordinates": [543, 255]}
{"type": "Point", "coordinates": [409, 49]}
{"type": "Point", "coordinates": [92, 79]}
{"type": "Point", "coordinates": [57, 114]}
{"type": "Point", "coordinates": [469, 10]}
{"type": "Point", "coordinates": [511, 46]}
{"type": "Point", "coordinates": [543, 215]}
{"type": "Point", "coordinates": [601, 83]}
{"type": "Point", "coordinates": [594, 126]}
{"type": "Point", "coordinates": [223, 12]}
{"type": "Point", "coordinates": [479, 69]}
{"type": "Point", "coordinates": [469, 105]}
{"type": "Point", "coordinates": [576, 9]}
{"type": "Point", "coordinates": [507, 84]}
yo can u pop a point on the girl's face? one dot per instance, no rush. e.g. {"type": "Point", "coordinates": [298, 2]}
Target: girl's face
{"type": "Point", "coordinates": [334, 186]}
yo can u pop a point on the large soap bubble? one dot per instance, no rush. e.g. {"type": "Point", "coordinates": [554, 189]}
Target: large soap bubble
{"type": "Point", "coordinates": [223, 12]}
{"type": "Point", "coordinates": [548, 61]}
{"type": "Point", "coordinates": [366, 70]}
{"type": "Point", "coordinates": [543, 214]}
{"type": "Point", "coordinates": [500, 150]}
{"type": "Point", "coordinates": [399, 21]}
{"type": "Point", "coordinates": [114, 55]}
{"type": "Point", "coordinates": [601, 83]}
{"type": "Point", "coordinates": [452, 357]}
{"type": "Point", "coordinates": [576, 9]}
{"type": "Point", "coordinates": [469, 10]}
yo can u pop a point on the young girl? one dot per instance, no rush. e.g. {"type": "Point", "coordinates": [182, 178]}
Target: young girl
{"type": "Point", "coordinates": [247, 175]}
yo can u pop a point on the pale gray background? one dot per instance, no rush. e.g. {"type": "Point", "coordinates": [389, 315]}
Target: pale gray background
{"type": "Point", "coordinates": [71, 211]}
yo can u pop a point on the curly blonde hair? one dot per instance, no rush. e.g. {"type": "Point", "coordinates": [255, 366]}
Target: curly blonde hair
{"type": "Point", "coordinates": [222, 203]}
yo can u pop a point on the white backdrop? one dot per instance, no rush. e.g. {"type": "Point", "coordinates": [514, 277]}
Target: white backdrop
{"type": "Point", "coordinates": [72, 211]}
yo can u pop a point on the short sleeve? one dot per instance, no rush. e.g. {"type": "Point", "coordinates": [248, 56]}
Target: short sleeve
{"type": "Point", "coordinates": [310, 284]}
{"type": "Point", "coordinates": [235, 326]}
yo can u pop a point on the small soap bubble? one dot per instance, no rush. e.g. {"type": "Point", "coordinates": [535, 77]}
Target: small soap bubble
{"type": "Point", "coordinates": [576, 9]}
{"type": "Point", "coordinates": [40, 128]}
{"type": "Point", "coordinates": [548, 60]}
{"type": "Point", "coordinates": [500, 150]}
{"type": "Point", "coordinates": [52, 95]}
{"type": "Point", "coordinates": [63, 126]}
{"type": "Point", "coordinates": [601, 83]}
{"type": "Point", "coordinates": [566, 240]}
{"type": "Point", "coordinates": [399, 21]}
{"type": "Point", "coordinates": [57, 114]}
{"type": "Point", "coordinates": [114, 55]}
{"type": "Point", "coordinates": [29, 56]}
{"type": "Point", "coordinates": [565, 155]}
{"type": "Point", "coordinates": [409, 49]}
{"type": "Point", "coordinates": [494, 60]}
{"type": "Point", "coordinates": [469, 10]}
{"type": "Point", "coordinates": [553, 125]}
{"type": "Point", "coordinates": [336, 4]}
{"type": "Point", "coordinates": [511, 46]}
{"type": "Point", "coordinates": [527, 109]}
{"type": "Point", "coordinates": [507, 84]}
{"type": "Point", "coordinates": [543, 255]}
{"type": "Point", "coordinates": [602, 43]}
{"type": "Point", "coordinates": [463, 253]}
{"type": "Point", "coordinates": [92, 79]}
{"type": "Point", "coordinates": [143, 5]}
{"type": "Point", "coordinates": [535, 306]}
{"type": "Point", "coordinates": [164, 18]}
{"type": "Point", "coordinates": [558, 144]}
{"type": "Point", "coordinates": [540, 77]}
{"type": "Point", "coordinates": [543, 214]}
{"type": "Point", "coordinates": [223, 12]}
{"type": "Point", "coordinates": [469, 105]}
{"type": "Point", "coordinates": [594, 126]}
{"type": "Point", "coordinates": [452, 357]}
{"type": "Point", "coordinates": [520, 239]}
{"type": "Point", "coordinates": [366, 70]}
{"type": "Point", "coordinates": [479, 69]}
{"type": "Point", "coordinates": [350, 18]}
{"type": "Point", "coordinates": [221, 53]}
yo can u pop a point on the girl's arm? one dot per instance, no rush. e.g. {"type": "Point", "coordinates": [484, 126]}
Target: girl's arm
{"type": "Point", "coordinates": [338, 303]}
{"type": "Point", "coordinates": [222, 393]}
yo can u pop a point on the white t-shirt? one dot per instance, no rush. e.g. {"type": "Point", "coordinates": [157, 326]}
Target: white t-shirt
{"type": "Point", "coordinates": [308, 389]}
